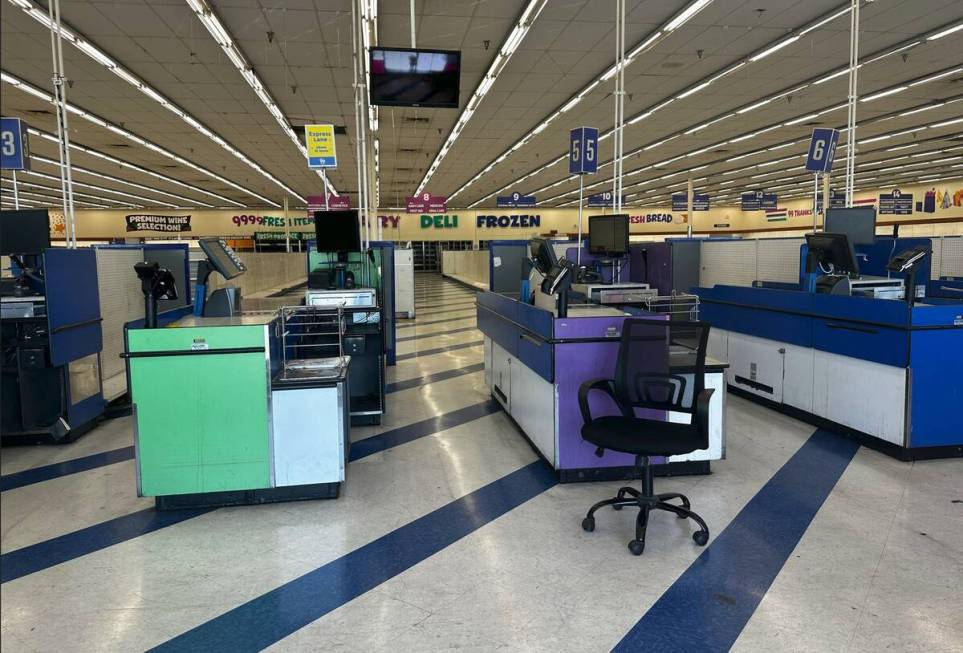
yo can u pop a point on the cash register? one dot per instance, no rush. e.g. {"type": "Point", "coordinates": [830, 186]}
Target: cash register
{"type": "Point", "coordinates": [221, 258]}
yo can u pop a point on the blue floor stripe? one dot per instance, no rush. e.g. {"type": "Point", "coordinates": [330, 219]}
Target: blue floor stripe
{"type": "Point", "coordinates": [65, 468]}
{"type": "Point", "coordinates": [270, 617]}
{"type": "Point", "coordinates": [425, 379]}
{"type": "Point", "coordinates": [710, 604]}
{"type": "Point", "coordinates": [439, 350]}
{"type": "Point", "coordinates": [413, 324]}
{"type": "Point", "coordinates": [40, 556]}
{"type": "Point", "coordinates": [395, 437]}
{"type": "Point", "coordinates": [446, 302]}
{"type": "Point", "coordinates": [435, 335]}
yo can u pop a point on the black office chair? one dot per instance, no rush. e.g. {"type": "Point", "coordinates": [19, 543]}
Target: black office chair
{"type": "Point", "coordinates": [660, 368]}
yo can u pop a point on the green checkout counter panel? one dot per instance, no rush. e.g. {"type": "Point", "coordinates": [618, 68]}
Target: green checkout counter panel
{"type": "Point", "coordinates": [203, 391]}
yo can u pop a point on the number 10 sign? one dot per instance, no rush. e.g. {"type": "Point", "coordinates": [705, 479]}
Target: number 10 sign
{"type": "Point", "coordinates": [583, 150]}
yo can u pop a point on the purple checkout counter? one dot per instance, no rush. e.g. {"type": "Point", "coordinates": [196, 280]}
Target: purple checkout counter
{"type": "Point", "coordinates": [534, 364]}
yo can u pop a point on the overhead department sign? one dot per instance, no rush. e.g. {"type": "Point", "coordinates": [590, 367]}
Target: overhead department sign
{"type": "Point", "coordinates": [147, 222]}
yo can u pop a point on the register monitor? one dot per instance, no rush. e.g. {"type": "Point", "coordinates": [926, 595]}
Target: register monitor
{"type": "Point", "coordinates": [833, 255]}
{"type": "Point", "coordinates": [224, 302]}
{"type": "Point", "coordinates": [858, 223]}
{"type": "Point", "coordinates": [543, 255]}
{"type": "Point", "coordinates": [609, 235]}
{"type": "Point", "coordinates": [24, 232]}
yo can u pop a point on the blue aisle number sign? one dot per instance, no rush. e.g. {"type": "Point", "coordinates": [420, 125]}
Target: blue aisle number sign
{"type": "Point", "coordinates": [583, 151]}
{"type": "Point", "coordinates": [822, 150]}
{"type": "Point", "coordinates": [13, 145]}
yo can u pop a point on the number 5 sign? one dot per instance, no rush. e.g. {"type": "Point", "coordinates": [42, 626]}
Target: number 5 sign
{"type": "Point", "coordinates": [13, 145]}
{"type": "Point", "coordinates": [822, 150]}
{"type": "Point", "coordinates": [583, 150]}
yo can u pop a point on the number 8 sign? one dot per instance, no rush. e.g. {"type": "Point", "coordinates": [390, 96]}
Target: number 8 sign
{"type": "Point", "coordinates": [583, 151]}
{"type": "Point", "coordinates": [822, 150]}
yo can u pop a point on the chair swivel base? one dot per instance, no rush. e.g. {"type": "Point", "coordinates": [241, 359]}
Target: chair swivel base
{"type": "Point", "coordinates": [628, 496]}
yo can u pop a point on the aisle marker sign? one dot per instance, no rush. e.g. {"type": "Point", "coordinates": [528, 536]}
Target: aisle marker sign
{"type": "Point", "coordinates": [822, 150]}
{"type": "Point", "coordinates": [13, 145]}
{"type": "Point", "coordinates": [583, 151]}
{"type": "Point", "coordinates": [515, 200]}
{"type": "Point", "coordinates": [700, 202]}
{"type": "Point", "coordinates": [602, 200]}
{"type": "Point", "coordinates": [319, 140]}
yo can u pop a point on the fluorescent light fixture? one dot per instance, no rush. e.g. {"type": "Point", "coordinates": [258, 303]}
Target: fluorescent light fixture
{"type": "Point", "coordinates": [775, 48]}
{"type": "Point", "coordinates": [102, 58]}
{"type": "Point", "coordinates": [24, 86]}
{"type": "Point", "coordinates": [822, 22]}
{"type": "Point", "coordinates": [892, 52]}
{"type": "Point", "coordinates": [147, 201]}
{"type": "Point", "coordinates": [932, 78]}
{"type": "Point", "coordinates": [694, 89]}
{"type": "Point", "coordinates": [686, 14]}
{"type": "Point", "coordinates": [805, 118]}
{"type": "Point", "coordinates": [949, 30]}
{"type": "Point", "coordinates": [875, 139]}
{"type": "Point", "coordinates": [891, 91]}
{"type": "Point", "coordinates": [901, 147]}
{"type": "Point", "coordinates": [921, 109]}
{"type": "Point", "coordinates": [831, 76]}
{"type": "Point", "coordinates": [655, 145]}
{"type": "Point", "coordinates": [945, 123]}
{"type": "Point", "coordinates": [754, 106]}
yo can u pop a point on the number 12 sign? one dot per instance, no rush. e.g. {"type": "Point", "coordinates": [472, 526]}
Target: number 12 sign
{"type": "Point", "coordinates": [583, 150]}
{"type": "Point", "coordinates": [822, 150]}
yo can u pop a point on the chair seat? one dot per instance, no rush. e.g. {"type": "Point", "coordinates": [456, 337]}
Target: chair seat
{"type": "Point", "coordinates": [641, 437]}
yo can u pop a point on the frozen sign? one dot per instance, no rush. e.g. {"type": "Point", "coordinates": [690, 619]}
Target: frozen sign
{"type": "Point", "coordinates": [508, 221]}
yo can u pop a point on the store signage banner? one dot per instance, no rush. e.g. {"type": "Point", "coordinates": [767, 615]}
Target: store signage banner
{"type": "Point", "coordinates": [439, 221]}
{"type": "Point", "coordinates": [758, 201]}
{"type": "Point", "coordinates": [700, 202]}
{"type": "Point", "coordinates": [319, 141]}
{"type": "Point", "coordinates": [427, 203]}
{"type": "Point", "coordinates": [895, 203]}
{"type": "Point", "coordinates": [335, 203]}
{"type": "Point", "coordinates": [602, 200]}
{"type": "Point", "coordinates": [515, 200]}
{"type": "Point", "coordinates": [146, 222]}
{"type": "Point", "coordinates": [509, 221]}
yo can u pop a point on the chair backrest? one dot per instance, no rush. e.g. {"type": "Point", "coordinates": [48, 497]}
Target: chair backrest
{"type": "Point", "coordinates": [661, 364]}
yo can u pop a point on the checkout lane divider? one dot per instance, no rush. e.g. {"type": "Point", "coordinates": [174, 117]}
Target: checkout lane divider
{"type": "Point", "coordinates": [712, 601]}
{"type": "Point", "coordinates": [94, 461]}
{"type": "Point", "coordinates": [286, 609]}
{"type": "Point", "coordinates": [47, 553]}
{"type": "Point", "coordinates": [439, 350]}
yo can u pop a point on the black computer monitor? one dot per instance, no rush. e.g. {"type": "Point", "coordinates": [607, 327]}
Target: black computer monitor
{"type": "Point", "coordinates": [858, 223]}
{"type": "Point", "coordinates": [833, 252]}
{"type": "Point", "coordinates": [337, 231]}
{"type": "Point", "coordinates": [222, 258]}
{"type": "Point", "coordinates": [609, 235]}
{"type": "Point", "coordinates": [543, 254]}
{"type": "Point", "coordinates": [24, 232]}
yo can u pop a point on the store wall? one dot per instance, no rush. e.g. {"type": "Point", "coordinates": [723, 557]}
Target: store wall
{"type": "Point", "coordinates": [943, 213]}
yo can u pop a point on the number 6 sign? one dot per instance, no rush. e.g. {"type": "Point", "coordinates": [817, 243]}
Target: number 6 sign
{"type": "Point", "coordinates": [822, 150]}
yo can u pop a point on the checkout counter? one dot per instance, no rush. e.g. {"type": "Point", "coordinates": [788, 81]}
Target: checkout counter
{"type": "Point", "coordinates": [236, 407]}
{"type": "Point", "coordinates": [540, 348]}
{"type": "Point", "coordinates": [871, 352]}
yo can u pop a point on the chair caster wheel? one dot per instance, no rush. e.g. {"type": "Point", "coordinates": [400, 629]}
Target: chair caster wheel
{"type": "Point", "coordinates": [636, 547]}
{"type": "Point", "coordinates": [700, 537]}
{"type": "Point", "coordinates": [616, 507]}
{"type": "Point", "coordinates": [588, 524]}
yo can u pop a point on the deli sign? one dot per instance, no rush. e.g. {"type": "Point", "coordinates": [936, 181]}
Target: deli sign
{"type": "Point", "coordinates": [168, 223]}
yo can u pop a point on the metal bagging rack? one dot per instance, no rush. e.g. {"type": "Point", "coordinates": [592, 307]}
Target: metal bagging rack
{"type": "Point", "coordinates": [679, 306]}
{"type": "Point", "coordinates": [311, 332]}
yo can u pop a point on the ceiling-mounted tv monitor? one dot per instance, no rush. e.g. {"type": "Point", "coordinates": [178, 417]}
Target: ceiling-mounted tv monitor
{"type": "Point", "coordinates": [406, 77]}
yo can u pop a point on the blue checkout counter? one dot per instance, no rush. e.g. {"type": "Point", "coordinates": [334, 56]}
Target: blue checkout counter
{"type": "Point", "coordinates": [534, 365]}
{"type": "Point", "coordinates": [881, 370]}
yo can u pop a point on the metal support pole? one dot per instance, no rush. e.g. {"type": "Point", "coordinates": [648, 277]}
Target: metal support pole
{"type": "Point", "coordinates": [16, 192]}
{"type": "Point", "coordinates": [412, 24]}
{"type": "Point", "coordinates": [826, 179]}
{"type": "Point", "coordinates": [357, 117]}
{"type": "Point", "coordinates": [63, 130]}
{"type": "Point", "coordinates": [816, 199]}
{"type": "Point", "coordinates": [619, 105]}
{"type": "Point", "coordinates": [690, 200]}
{"type": "Point", "coordinates": [287, 226]}
{"type": "Point", "coordinates": [852, 97]}
{"type": "Point", "coordinates": [578, 251]}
